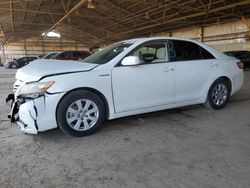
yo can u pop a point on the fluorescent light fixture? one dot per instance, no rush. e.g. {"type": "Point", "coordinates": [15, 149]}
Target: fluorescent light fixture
{"type": "Point", "coordinates": [52, 34]}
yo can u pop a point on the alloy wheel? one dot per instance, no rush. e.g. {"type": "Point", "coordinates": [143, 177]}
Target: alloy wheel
{"type": "Point", "coordinates": [82, 115]}
{"type": "Point", "coordinates": [219, 94]}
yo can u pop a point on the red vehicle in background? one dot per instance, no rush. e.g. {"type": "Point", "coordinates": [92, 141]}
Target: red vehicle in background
{"type": "Point", "coordinates": [71, 55]}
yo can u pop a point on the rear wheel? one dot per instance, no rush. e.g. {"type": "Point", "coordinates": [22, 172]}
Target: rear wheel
{"type": "Point", "coordinates": [80, 113]}
{"type": "Point", "coordinates": [218, 94]}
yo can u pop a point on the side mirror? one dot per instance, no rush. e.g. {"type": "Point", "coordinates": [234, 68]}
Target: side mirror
{"type": "Point", "coordinates": [130, 61]}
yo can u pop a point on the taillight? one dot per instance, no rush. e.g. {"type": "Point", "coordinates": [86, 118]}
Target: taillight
{"type": "Point", "coordinates": [240, 65]}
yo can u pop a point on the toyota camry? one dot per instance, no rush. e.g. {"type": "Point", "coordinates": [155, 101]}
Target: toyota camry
{"type": "Point", "coordinates": [126, 78]}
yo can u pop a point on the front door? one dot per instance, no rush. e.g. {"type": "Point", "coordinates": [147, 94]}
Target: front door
{"type": "Point", "coordinates": [150, 84]}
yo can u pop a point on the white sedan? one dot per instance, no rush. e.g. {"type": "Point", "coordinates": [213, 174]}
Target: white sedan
{"type": "Point", "coordinates": [127, 78]}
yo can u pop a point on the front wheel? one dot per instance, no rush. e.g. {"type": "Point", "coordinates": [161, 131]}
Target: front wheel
{"type": "Point", "coordinates": [80, 113]}
{"type": "Point", "coordinates": [218, 94]}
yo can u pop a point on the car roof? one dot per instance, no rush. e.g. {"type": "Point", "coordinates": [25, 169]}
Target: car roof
{"type": "Point", "coordinates": [215, 52]}
{"type": "Point", "coordinates": [74, 51]}
{"type": "Point", "coordinates": [145, 39]}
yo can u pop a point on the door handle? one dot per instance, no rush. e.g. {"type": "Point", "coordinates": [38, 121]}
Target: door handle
{"type": "Point", "coordinates": [168, 69]}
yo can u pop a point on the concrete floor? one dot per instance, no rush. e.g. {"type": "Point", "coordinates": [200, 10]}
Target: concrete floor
{"type": "Point", "coordinates": [181, 148]}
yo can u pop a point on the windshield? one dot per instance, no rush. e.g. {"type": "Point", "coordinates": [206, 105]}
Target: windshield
{"type": "Point", "coordinates": [21, 59]}
{"type": "Point", "coordinates": [107, 54]}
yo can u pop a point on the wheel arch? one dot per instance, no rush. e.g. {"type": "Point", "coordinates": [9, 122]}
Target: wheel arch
{"type": "Point", "coordinates": [208, 102]}
{"type": "Point", "coordinates": [103, 98]}
{"type": "Point", "coordinates": [227, 78]}
{"type": "Point", "coordinates": [229, 81]}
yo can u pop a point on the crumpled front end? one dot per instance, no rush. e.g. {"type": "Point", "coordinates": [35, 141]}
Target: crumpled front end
{"type": "Point", "coordinates": [33, 115]}
{"type": "Point", "coordinates": [25, 114]}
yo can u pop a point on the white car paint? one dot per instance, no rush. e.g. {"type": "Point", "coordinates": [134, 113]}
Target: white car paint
{"type": "Point", "coordinates": [128, 90]}
{"type": "Point", "coordinates": [49, 67]}
{"type": "Point", "coordinates": [141, 86]}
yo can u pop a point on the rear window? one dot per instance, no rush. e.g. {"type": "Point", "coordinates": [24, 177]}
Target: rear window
{"type": "Point", "coordinates": [77, 54]}
{"type": "Point", "coordinates": [230, 53]}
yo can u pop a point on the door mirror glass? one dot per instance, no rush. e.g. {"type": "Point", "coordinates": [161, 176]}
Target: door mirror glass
{"type": "Point", "coordinates": [130, 60]}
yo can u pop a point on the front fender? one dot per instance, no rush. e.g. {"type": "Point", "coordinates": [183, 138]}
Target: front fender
{"type": "Point", "coordinates": [96, 80]}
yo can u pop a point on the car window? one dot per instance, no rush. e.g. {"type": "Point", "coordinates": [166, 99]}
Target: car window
{"type": "Point", "coordinates": [85, 54]}
{"type": "Point", "coordinates": [32, 58]}
{"type": "Point", "coordinates": [243, 54]}
{"type": "Point", "coordinates": [206, 54]}
{"type": "Point", "coordinates": [49, 56]}
{"type": "Point", "coordinates": [70, 55]}
{"type": "Point", "coordinates": [77, 54]}
{"type": "Point", "coordinates": [63, 55]}
{"type": "Point", "coordinates": [185, 51]}
{"type": "Point", "coordinates": [155, 52]}
{"type": "Point", "coordinates": [23, 59]}
{"type": "Point", "coordinates": [230, 53]}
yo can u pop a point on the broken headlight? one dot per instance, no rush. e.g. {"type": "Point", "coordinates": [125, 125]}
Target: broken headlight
{"type": "Point", "coordinates": [35, 89]}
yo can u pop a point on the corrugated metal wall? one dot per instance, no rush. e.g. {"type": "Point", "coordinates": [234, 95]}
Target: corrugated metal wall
{"type": "Point", "coordinates": [31, 47]}
{"type": "Point", "coordinates": [223, 36]}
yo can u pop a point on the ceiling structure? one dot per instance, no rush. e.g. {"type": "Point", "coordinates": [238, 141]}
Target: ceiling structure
{"type": "Point", "coordinates": [97, 22]}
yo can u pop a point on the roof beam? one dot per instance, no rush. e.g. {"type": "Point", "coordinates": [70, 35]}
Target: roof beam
{"type": "Point", "coordinates": [133, 18]}
{"type": "Point", "coordinates": [129, 11]}
{"type": "Point", "coordinates": [33, 23]}
{"type": "Point", "coordinates": [25, 13]}
{"type": "Point", "coordinates": [32, 11]}
{"type": "Point", "coordinates": [2, 3]}
{"type": "Point", "coordinates": [65, 9]}
{"type": "Point", "coordinates": [110, 20]}
{"type": "Point", "coordinates": [78, 30]}
{"type": "Point", "coordinates": [38, 8]}
{"type": "Point", "coordinates": [77, 6]}
{"type": "Point", "coordinates": [241, 3]}
{"type": "Point", "coordinates": [11, 15]}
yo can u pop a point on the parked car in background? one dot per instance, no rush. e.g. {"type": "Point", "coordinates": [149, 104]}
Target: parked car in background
{"type": "Point", "coordinates": [41, 56]}
{"type": "Point", "coordinates": [49, 55]}
{"type": "Point", "coordinates": [127, 78]}
{"type": "Point", "coordinates": [243, 56]}
{"type": "Point", "coordinates": [71, 55]}
{"type": "Point", "coordinates": [18, 63]}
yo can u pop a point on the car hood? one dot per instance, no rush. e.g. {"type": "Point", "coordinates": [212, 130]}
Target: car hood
{"type": "Point", "coordinates": [39, 68]}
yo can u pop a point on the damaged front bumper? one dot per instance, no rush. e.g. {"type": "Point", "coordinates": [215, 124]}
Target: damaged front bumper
{"type": "Point", "coordinates": [34, 115]}
{"type": "Point", "coordinates": [24, 113]}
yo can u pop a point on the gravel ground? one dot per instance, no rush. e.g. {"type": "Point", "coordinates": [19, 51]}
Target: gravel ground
{"type": "Point", "coordinates": [186, 147]}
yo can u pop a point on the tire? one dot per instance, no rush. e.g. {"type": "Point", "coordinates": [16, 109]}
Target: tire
{"type": "Point", "coordinates": [218, 94]}
{"type": "Point", "coordinates": [80, 113]}
{"type": "Point", "coordinates": [13, 66]}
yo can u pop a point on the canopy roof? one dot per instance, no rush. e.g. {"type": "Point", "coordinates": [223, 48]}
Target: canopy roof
{"type": "Point", "coordinates": [96, 22]}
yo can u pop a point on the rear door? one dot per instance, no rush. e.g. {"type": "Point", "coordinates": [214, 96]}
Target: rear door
{"type": "Point", "coordinates": [194, 66]}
